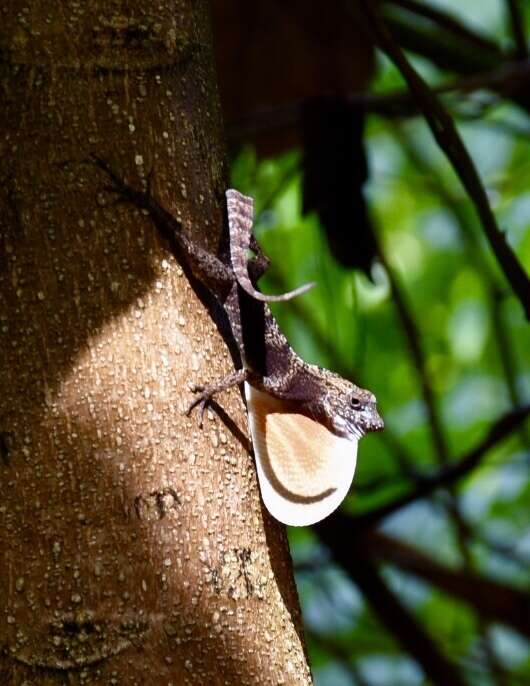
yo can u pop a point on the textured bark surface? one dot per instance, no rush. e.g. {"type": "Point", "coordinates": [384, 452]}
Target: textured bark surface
{"type": "Point", "coordinates": [134, 547]}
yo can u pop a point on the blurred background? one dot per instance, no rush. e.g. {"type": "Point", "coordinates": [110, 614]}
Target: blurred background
{"type": "Point", "coordinates": [423, 576]}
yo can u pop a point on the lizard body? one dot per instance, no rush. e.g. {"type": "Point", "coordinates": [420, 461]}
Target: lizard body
{"type": "Point", "coordinates": [285, 394]}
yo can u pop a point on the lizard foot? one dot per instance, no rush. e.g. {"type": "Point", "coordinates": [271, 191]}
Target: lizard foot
{"type": "Point", "coordinates": [205, 394]}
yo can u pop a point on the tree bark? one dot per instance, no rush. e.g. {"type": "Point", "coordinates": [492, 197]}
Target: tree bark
{"type": "Point", "coordinates": [134, 546]}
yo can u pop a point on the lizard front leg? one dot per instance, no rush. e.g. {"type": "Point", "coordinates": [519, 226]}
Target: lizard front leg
{"type": "Point", "coordinates": [206, 393]}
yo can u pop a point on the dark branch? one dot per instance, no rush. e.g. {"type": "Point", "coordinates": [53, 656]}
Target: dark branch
{"type": "Point", "coordinates": [448, 138]}
{"type": "Point", "coordinates": [507, 80]}
{"type": "Point", "coordinates": [465, 53]}
{"type": "Point", "coordinates": [413, 339]}
{"type": "Point", "coordinates": [450, 474]}
{"type": "Point", "coordinates": [507, 356]}
{"type": "Point", "coordinates": [491, 599]}
{"type": "Point", "coordinates": [435, 421]}
{"type": "Point", "coordinates": [506, 549]}
{"type": "Point", "coordinates": [517, 22]}
{"type": "Point", "coordinates": [437, 185]}
{"type": "Point", "coordinates": [446, 21]}
{"type": "Point", "coordinates": [393, 614]}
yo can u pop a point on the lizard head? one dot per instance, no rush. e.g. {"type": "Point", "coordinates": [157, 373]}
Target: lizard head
{"type": "Point", "coordinates": [346, 409]}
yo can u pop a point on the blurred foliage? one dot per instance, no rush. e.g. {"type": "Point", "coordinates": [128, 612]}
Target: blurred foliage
{"type": "Point", "coordinates": [476, 346]}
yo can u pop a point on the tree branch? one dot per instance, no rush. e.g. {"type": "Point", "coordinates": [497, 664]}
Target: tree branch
{"type": "Point", "coordinates": [413, 339]}
{"type": "Point", "coordinates": [463, 54]}
{"type": "Point", "coordinates": [446, 21]}
{"type": "Point", "coordinates": [436, 184]}
{"type": "Point", "coordinates": [393, 614]}
{"type": "Point", "coordinates": [492, 599]}
{"type": "Point", "coordinates": [507, 80]}
{"type": "Point", "coordinates": [449, 474]}
{"type": "Point", "coordinates": [517, 22]}
{"type": "Point", "coordinates": [448, 138]}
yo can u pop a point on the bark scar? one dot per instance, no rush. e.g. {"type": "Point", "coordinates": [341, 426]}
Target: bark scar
{"type": "Point", "coordinates": [156, 504]}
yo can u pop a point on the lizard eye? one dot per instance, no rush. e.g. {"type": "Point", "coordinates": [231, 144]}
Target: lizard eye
{"type": "Point", "coordinates": [355, 402]}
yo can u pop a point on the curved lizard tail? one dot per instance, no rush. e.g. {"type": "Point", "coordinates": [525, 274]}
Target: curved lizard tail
{"type": "Point", "coordinates": [240, 220]}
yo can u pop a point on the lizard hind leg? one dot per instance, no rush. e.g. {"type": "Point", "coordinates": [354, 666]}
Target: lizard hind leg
{"type": "Point", "coordinates": [206, 393]}
{"type": "Point", "coordinates": [125, 193]}
{"type": "Point", "coordinates": [205, 266]}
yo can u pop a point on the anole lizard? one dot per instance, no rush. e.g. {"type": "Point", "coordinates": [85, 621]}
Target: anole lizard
{"type": "Point", "coordinates": [305, 421]}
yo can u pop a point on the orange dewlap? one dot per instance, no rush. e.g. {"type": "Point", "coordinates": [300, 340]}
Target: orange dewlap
{"type": "Point", "coordinates": [304, 470]}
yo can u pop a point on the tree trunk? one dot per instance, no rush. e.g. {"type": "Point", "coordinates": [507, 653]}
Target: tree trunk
{"type": "Point", "coordinates": [134, 547]}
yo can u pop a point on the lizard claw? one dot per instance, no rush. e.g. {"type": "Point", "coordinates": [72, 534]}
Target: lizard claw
{"type": "Point", "coordinates": [206, 393]}
{"type": "Point", "coordinates": [201, 401]}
